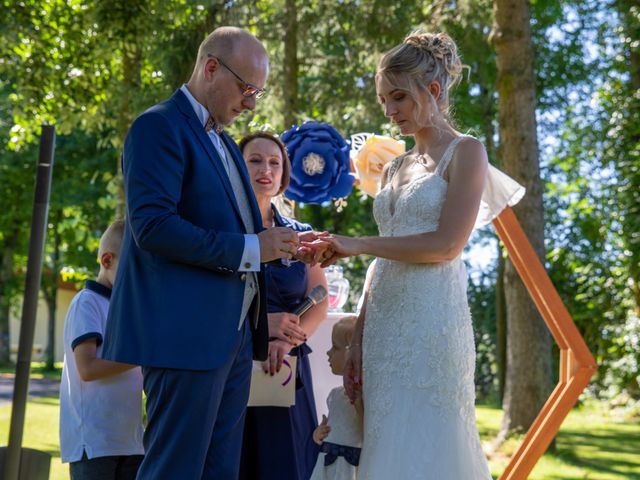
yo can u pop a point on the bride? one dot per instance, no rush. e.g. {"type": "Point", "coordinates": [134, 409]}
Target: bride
{"type": "Point", "coordinates": [413, 351]}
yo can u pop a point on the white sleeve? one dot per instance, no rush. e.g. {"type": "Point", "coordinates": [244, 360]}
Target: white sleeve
{"type": "Point", "coordinates": [250, 261]}
{"type": "Point", "coordinates": [84, 321]}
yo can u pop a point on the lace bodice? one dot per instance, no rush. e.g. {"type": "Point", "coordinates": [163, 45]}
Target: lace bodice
{"type": "Point", "coordinates": [421, 198]}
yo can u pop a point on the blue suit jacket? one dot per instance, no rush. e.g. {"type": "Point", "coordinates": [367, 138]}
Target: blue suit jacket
{"type": "Point", "coordinates": [178, 295]}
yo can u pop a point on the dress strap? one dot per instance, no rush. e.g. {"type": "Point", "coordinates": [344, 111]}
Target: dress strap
{"type": "Point", "coordinates": [395, 165]}
{"type": "Point", "coordinates": [448, 155]}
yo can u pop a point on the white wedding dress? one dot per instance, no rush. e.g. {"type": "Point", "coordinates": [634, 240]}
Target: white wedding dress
{"type": "Point", "coordinates": [418, 351]}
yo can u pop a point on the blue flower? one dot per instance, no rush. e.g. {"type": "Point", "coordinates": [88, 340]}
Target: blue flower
{"type": "Point", "coordinates": [320, 169]}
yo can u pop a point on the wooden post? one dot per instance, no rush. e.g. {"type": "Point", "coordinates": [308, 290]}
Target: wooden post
{"type": "Point", "coordinates": [16, 457]}
{"type": "Point", "coordinates": [577, 365]}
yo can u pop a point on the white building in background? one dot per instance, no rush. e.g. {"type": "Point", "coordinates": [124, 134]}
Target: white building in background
{"type": "Point", "coordinates": [66, 291]}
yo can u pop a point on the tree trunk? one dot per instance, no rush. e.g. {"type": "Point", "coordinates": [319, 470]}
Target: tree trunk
{"type": "Point", "coordinates": [487, 95]}
{"type": "Point", "coordinates": [631, 28]}
{"type": "Point", "coordinates": [290, 77]}
{"type": "Point", "coordinates": [488, 116]}
{"type": "Point", "coordinates": [501, 326]}
{"type": "Point", "coordinates": [131, 65]}
{"type": "Point", "coordinates": [528, 377]}
{"type": "Point", "coordinates": [6, 272]}
{"type": "Point", "coordinates": [51, 293]}
{"type": "Point", "coordinates": [52, 305]}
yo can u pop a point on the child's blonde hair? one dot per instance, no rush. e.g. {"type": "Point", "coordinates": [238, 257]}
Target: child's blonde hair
{"type": "Point", "coordinates": [346, 327]}
{"type": "Point", "coordinates": [112, 238]}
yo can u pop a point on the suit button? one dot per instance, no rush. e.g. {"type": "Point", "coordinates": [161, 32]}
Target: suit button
{"type": "Point", "coordinates": [243, 277]}
{"type": "Point", "coordinates": [247, 264]}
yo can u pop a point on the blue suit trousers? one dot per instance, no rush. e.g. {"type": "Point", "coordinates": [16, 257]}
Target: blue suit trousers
{"type": "Point", "coordinates": [196, 418]}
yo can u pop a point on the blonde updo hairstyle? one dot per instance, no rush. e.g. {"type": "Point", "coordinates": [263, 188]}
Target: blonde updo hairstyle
{"type": "Point", "coordinates": [419, 60]}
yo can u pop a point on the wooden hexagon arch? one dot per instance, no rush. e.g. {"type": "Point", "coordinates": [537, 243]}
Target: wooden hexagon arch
{"type": "Point", "coordinates": [577, 365]}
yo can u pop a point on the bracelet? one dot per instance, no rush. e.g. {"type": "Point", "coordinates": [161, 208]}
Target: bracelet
{"type": "Point", "coordinates": [348, 347]}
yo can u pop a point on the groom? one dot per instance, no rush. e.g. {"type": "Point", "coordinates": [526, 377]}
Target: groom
{"type": "Point", "coordinates": [189, 302]}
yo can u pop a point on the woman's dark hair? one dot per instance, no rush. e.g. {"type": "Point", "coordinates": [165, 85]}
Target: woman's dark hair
{"type": "Point", "coordinates": [286, 163]}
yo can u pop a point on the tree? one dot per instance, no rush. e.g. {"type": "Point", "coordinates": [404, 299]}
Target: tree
{"type": "Point", "coordinates": [592, 197]}
{"type": "Point", "coordinates": [623, 105]}
{"type": "Point", "coordinates": [89, 68]}
{"type": "Point", "coordinates": [17, 170]}
{"type": "Point", "coordinates": [81, 208]}
{"type": "Point", "coordinates": [290, 80]}
{"type": "Point", "coordinates": [528, 377]}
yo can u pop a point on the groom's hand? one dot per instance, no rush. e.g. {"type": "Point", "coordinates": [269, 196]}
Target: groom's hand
{"type": "Point", "coordinates": [311, 236]}
{"type": "Point", "coordinates": [277, 242]}
{"type": "Point", "coordinates": [313, 246]}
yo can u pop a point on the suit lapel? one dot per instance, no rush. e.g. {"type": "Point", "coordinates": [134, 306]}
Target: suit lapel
{"type": "Point", "coordinates": [202, 136]}
{"type": "Point", "coordinates": [246, 182]}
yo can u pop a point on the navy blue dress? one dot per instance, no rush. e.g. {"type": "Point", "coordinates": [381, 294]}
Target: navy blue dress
{"type": "Point", "coordinates": [278, 443]}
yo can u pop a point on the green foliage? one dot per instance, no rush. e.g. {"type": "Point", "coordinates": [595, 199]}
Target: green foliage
{"type": "Point", "coordinates": [81, 205]}
{"type": "Point", "coordinates": [593, 213]}
{"type": "Point", "coordinates": [67, 62]}
{"type": "Point", "coordinates": [482, 294]}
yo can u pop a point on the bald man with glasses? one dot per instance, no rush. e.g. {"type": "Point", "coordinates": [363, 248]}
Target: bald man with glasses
{"type": "Point", "coordinates": [189, 302]}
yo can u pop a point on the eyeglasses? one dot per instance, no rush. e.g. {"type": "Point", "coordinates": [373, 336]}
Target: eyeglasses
{"type": "Point", "coordinates": [248, 90]}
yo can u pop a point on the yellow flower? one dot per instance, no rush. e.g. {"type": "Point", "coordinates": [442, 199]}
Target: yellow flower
{"type": "Point", "coordinates": [371, 158]}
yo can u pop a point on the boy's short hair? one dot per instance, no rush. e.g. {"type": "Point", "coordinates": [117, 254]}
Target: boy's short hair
{"type": "Point", "coordinates": [112, 238]}
{"type": "Point", "coordinates": [346, 327]}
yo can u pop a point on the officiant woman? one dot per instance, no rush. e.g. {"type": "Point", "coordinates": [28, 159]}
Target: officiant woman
{"type": "Point", "coordinates": [278, 442]}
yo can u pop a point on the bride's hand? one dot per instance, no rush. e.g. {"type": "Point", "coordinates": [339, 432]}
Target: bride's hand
{"type": "Point", "coordinates": [352, 377]}
{"type": "Point", "coordinates": [312, 252]}
{"type": "Point", "coordinates": [342, 247]}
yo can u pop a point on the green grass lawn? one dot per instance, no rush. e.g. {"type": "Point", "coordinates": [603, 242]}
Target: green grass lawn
{"type": "Point", "coordinates": [38, 370]}
{"type": "Point", "coordinates": [592, 444]}
{"type": "Point", "coordinates": [40, 431]}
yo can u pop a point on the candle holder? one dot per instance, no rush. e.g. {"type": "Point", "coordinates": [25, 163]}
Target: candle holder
{"type": "Point", "coordinates": [338, 288]}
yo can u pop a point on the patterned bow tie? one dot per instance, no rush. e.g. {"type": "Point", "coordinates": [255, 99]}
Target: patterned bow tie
{"type": "Point", "coordinates": [212, 125]}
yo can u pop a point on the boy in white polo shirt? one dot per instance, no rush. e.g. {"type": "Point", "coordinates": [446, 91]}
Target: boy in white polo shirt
{"type": "Point", "coordinates": [100, 400]}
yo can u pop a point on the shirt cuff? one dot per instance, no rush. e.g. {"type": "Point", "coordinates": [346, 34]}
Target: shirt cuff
{"type": "Point", "coordinates": [250, 261]}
